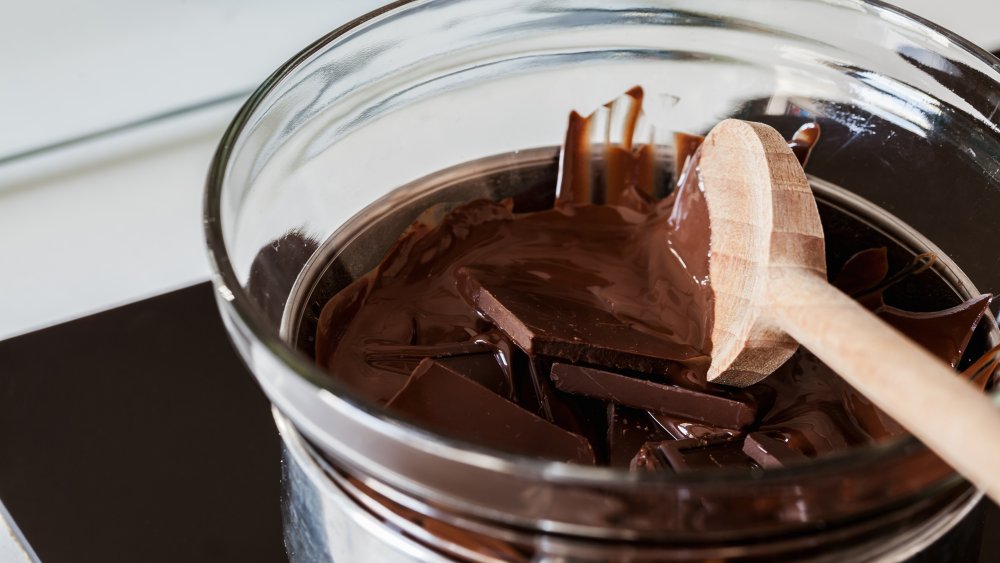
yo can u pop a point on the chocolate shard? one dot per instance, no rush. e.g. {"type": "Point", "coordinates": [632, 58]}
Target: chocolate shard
{"type": "Point", "coordinates": [943, 333]}
{"type": "Point", "coordinates": [628, 430]}
{"type": "Point", "coordinates": [728, 410]}
{"type": "Point", "coordinates": [770, 452]}
{"type": "Point", "coordinates": [567, 323]}
{"type": "Point", "coordinates": [701, 453]}
{"type": "Point", "coordinates": [446, 401]}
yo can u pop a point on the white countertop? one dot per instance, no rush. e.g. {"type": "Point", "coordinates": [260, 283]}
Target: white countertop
{"type": "Point", "coordinates": [118, 218]}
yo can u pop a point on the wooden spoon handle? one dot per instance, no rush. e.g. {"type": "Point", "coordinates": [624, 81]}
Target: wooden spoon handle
{"type": "Point", "coordinates": [948, 414]}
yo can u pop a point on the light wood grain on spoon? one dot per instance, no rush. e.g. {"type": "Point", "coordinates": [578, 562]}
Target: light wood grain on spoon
{"type": "Point", "coordinates": [768, 273]}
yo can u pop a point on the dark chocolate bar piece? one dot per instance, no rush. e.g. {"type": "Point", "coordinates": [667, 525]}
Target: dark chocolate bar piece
{"type": "Point", "coordinates": [770, 452]}
{"type": "Point", "coordinates": [628, 430]}
{"type": "Point", "coordinates": [730, 411]}
{"type": "Point", "coordinates": [700, 453]}
{"type": "Point", "coordinates": [449, 402]}
{"type": "Point", "coordinates": [565, 322]}
{"type": "Point", "coordinates": [483, 369]}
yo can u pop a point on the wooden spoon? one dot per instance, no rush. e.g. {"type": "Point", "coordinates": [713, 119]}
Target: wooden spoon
{"type": "Point", "coordinates": [767, 268]}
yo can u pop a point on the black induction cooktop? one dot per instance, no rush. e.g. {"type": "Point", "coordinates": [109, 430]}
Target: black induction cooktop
{"type": "Point", "coordinates": [137, 434]}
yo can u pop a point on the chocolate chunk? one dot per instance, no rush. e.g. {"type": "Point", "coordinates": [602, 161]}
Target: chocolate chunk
{"type": "Point", "coordinates": [731, 410]}
{"type": "Point", "coordinates": [701, 453]}
{"type": "Point", "coordinates": [628, 430]}
{"type": "Point", "coordinates": [483, 369]}
{"type": "Point", "coordinates": [449, 402]}
{"type": "Point", "coordinates": [944, 333]}
{"type": "Point", "coordinates": [769, 452]}
{"type": "Point", "coordinates": [565, 322]}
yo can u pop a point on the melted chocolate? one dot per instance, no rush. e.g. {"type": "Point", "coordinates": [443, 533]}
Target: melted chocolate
{"type": "Point", "coordinates": [944, 333]}
{"type": "Point", "coordinates": [580, 333]}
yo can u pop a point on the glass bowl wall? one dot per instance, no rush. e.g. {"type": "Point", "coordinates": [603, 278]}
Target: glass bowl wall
{"type": "Point", "coordinates": [910, 122]}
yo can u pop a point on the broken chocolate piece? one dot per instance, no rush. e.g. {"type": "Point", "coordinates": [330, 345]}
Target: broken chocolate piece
{"type": "Point", "coordinates": [628, 430]}
{"type": "Point", "coordinates": [943, 333]}
{"type": "Point", "coordinates": [700, 453]}
{"type": "Point", "coordinates": [567, 323]}
{"type": "Point", "coordinates": [449, 402]}
{"type": "Point", "coordinates": [728, 409]}
{"type": "Point", "coordinates": [770, 452]}
{"type": "Point", "coordinates": [483, 369]}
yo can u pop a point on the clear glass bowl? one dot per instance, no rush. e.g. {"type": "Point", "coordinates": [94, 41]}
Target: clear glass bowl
{"type": "Point", "coordinates": [910, 123]}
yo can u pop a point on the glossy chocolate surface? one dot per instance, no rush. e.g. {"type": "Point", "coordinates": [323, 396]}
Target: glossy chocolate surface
{"type": "Point", "coordinates": [589, 322]}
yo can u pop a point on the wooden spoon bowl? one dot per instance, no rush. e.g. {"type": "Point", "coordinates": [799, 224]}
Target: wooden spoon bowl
{"type": "Point", "coordinates": [768, 273]}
